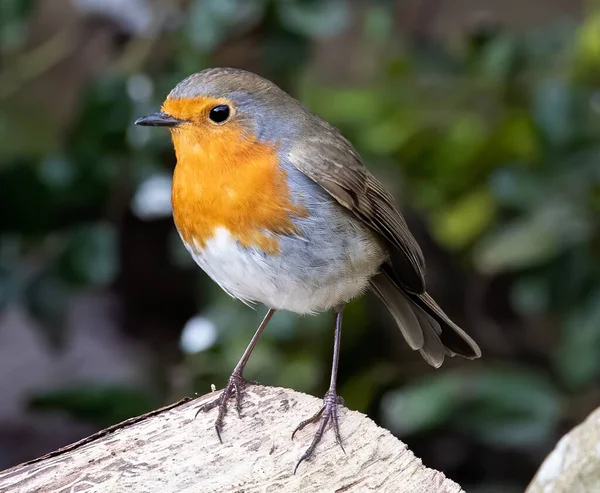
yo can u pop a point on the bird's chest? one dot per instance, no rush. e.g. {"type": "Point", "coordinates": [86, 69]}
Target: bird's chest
{"type": "Point", "coordinates": [243, 273]}
{"type": "Point", "coordinates": [269, 234]}
{"type": "Point", "coordinates": [244, 193]}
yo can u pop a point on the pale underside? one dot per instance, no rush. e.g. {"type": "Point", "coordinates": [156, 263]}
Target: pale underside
{"type": "Point", "coordinates": [304, 277]}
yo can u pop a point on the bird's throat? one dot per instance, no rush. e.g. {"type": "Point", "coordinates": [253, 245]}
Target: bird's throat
{"type": "Point", "coordinates": [230, 182]}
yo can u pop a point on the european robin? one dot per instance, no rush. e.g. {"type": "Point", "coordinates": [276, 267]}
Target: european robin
{"type": "Point", "coordinates": [277, 207]}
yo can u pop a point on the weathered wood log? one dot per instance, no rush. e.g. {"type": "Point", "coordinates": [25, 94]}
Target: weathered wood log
{"type": "Point", "coordinates": [169, 451]}
{"type": "Point", "coordinates": [574, 464]}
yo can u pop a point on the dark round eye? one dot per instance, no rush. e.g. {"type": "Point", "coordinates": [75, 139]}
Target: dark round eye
{"type": "Point", "coordinates": [219, 113]}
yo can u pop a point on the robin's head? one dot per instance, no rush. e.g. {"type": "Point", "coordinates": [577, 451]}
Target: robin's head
{"type": "Point", "coordinates": [228, 127]}
{"type": "Point", "coordinates": [225, 103]}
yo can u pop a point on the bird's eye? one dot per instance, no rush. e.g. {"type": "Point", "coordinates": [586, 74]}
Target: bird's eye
{"type": "Point", "coordinates": [219, 114]}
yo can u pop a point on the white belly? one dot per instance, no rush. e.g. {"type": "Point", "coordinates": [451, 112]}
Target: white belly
{"type": "Point", "coordinates": [297, 279]}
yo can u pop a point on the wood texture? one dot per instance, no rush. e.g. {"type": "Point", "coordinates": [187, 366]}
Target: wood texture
{"type": "Point", "coordinates": [170, 451]}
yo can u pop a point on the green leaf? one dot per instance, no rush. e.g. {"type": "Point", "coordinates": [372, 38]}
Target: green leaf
{"type": "Point", "coordinates": [103, 405]}
{"type": "Point", "coordinates": [389, 133]}
{"type": "Point", "coordinates": [211, 21]}
{"type": "Point", "coordinates": [533, 239]}
{"type": "Point", "coordinates": [517, 189]}
{"type": "Point", "coordinates": [577, 355]}
{"type": "Point", "coordinates": [46, 298]}
{"type": "Point", "coordinates": [314, 18]}
{"type": "Point", "coordinates": [511, 407]}
{"type": "Point", "coordinates": [516, 138]}
{"type": "Point", "coordinates": [454, 157]}
{"type": "Point", "coordinates": [587, 48]}
{"type": "Point", "coordinates": [555, 112]}
{"type": "Point", "coordinates": [91, 255]}
{"type": "Point", "coordinates": [14, 15]}
{"type": "Point", "coordinates": [423, 405]}
{"type": "Point", "coordinates": [530, 296]}
{"type": "Point", "coordinates": [343, 105]}
{"type": "Point", "coordinates": [499, 58]}
{"type": "Point", "coordinates": [500, 405]}
{"type": "Point", "coordinates": [7, 286]}
{"type": "Point", "coordinates": [457, 225]}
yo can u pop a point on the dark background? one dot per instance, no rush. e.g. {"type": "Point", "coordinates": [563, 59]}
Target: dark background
{"type": "Point", "coordinates": [482, 116]}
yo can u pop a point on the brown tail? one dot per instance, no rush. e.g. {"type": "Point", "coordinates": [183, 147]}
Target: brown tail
{"type": "Point", "coordinates": [423, 323]}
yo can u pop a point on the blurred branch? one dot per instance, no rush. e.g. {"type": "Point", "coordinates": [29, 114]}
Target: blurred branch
{"type": "Point", "coordinates": [170, 451]}
{"type": "Point", "coordinates": [40, 59]}
{"type": "Point", "coordinates": [574, 464]}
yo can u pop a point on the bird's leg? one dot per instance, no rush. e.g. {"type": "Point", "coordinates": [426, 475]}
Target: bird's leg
{"type": "Point", "coordinates": [237, 382]}
{"type": "Point", "coordinates": [331, 401]}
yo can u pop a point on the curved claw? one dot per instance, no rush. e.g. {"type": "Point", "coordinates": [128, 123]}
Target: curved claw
{"type": "Point", "coordinates": [235, 385]}
{"type": "Point", "coordinates": [315, 417]}
{"type": "Point", "coordinates": [329, 412]}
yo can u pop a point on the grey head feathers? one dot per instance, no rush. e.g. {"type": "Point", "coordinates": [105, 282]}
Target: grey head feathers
{"type": "Point", "coordinates": [259, 103]}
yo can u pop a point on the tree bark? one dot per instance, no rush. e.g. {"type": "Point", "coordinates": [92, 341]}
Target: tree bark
{"type": "Point", "coordinates": [574, 464]}
{"type": "Point", "coordinates": [169, 451]}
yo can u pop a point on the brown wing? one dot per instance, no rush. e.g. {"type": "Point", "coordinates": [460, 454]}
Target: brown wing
{"type": "Point", "coordinates": [331, 161]}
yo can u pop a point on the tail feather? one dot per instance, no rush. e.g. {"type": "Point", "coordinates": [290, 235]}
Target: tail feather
{"type": "Point", "coordinates": [433, 350]}
{"type": "Point", "coordinates": [455, 339]}
{"type": "Point", "coordinates": [423, 323]}
{"type": "Point", "coordinates": [400, 308]}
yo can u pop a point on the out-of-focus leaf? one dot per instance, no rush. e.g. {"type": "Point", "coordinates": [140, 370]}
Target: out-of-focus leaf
{"type": "Point", "coordinates": [512, 407]}
{"type": "Point", "coordinates": [91, 256]}
{"type": "Point", "coordinates": [46, 298]}
{"type": "Point", "coordinates": [10, 259]}
{"type": "Point", "coordinates": [555, 112]}
{"type": "Point", "coordinates": [457, 225]}
{"type": "Point", "coordinates": [422, 405]}
{"type": "Point", "coordinates": [13, 22]}
{"type": "Point", "coordinates": [504, 406]}
{"type": "Point", "coordinates": [211, 21]}
{"type": "Point", "coordinates": [378, 24]}
{"type": "Point", "coordinates": [587, 48]}
{"type": "Point", "coordinates": [453, 157]}
{"type": "Point", "coordinates": [499, 58]}
{"type": "Point", "coordinates": [56, 172]}
{"type": "Point", "coordinates": [300, 373]}
{"type": "Point", "coordinates": [516, 137]}
{"type": "Point", "coordinates": [517, 189]}
{"type": "Point", "coordinates": [344, 106]}
{"type": "Point", "coordinates": [102, 405]}
{"type": "Point", "coordinates": [532, 240]}
{"type": "Point", "coordinates": [530, 296]}
{"type": "Point", "coordinates": [314, 18]}
{"type": "Point", "coordinates": [25, 135]}
{"type": "Point", "coordinates": [388, 135]}
{"type": "Point", "coordinates": [360, 391]}
{"type": "Point", "coordinates": [577, 355]}
{"type": "Point", "coordinates": [6, 286]}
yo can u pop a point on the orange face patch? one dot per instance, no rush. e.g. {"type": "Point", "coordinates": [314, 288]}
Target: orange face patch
{"type": "Point", "coordinates": [195, 110]}
{"type": "Point", "coordinates": [226, 178]}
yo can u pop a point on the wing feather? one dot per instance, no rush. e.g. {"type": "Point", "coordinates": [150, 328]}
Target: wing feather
{"type": "Point", "coordinates": [341, 172]}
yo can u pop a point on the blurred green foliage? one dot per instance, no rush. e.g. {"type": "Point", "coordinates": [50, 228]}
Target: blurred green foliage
{"type": "Point", "coordinates": [493, 142]}
{"type": "Point", "coordinates": [104, 405]}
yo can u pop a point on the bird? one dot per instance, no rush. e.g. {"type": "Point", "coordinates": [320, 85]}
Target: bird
{"type": "Point", "coordinates": [277, 207]}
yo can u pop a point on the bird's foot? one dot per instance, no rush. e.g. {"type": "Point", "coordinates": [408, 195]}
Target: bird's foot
{"type": "Point", "coordinates": [236, 385]}
{"type": "Point", "coordinates": [327, 413]}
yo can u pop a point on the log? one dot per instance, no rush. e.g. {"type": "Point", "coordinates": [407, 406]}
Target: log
{"type": "Point", "coordinates": [574, 464]}
{"type": "Point", "coordinates": [168, 450]}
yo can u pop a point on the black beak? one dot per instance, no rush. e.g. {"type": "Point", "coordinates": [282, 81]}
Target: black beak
{"type": "Point", "coordinates": [158, 120]}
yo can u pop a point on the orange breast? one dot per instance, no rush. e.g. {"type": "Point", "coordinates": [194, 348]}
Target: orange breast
{"type": "Point", "coordinates": [226, 178]}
